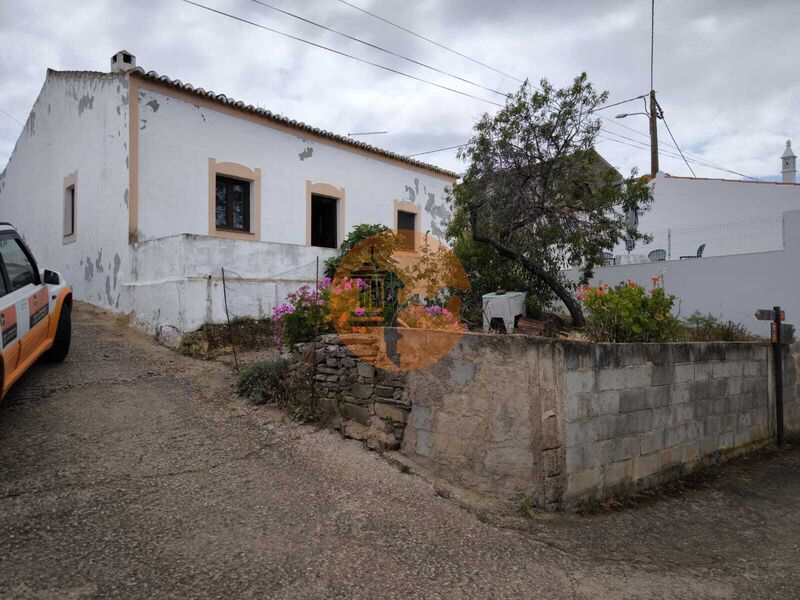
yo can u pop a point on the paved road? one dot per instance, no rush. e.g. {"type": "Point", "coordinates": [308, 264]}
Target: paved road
{"type": "Point", "coordinates": [129, 472]}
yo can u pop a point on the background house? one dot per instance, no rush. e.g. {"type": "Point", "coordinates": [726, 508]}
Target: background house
{"type": "Point", "coordinates": [140, 189]}
{"type": "Point", "coordinates": [749, 232]}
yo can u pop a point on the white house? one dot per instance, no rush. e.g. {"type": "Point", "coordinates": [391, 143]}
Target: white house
{"type": "Point", "coordinates": [140, 189]}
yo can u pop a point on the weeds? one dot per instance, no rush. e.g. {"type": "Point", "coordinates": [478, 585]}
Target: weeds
{"type": "Point", "coordinates": [264, 382]}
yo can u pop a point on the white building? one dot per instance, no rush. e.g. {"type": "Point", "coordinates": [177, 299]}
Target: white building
{"type": "Point", "coordinates": [140, 189]}
{"type": "Point", "coordinates": [728, 216]}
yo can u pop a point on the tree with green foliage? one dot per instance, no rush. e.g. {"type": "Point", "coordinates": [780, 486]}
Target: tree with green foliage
{"type": "Point", "coordinates": [538, 194]}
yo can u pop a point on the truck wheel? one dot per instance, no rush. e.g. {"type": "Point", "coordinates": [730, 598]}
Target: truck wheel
{"type": "Point", "coordinates": [60, 348]}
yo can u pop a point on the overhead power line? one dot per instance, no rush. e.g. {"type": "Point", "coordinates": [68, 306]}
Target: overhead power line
{"type": "Point", "coordinates": [605, 106]}
{"type": "Point", "coordinates": [340, 53]}
{"type": "Point", "coordinates": [438, 150]}
{"type": "Point", "coordinates": [12, 118]}
{"type": "Point", "coordinates": [676, 143]}
{"type": "Point", "coordinates": [376, 47]}
{"type": "Point", "coordinates": [429, 40]}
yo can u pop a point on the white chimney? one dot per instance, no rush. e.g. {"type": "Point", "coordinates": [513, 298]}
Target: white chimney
{"type": "Point", "coordinates": [122, 61]}
{"type": "Point", "coordinates": [788, 164]}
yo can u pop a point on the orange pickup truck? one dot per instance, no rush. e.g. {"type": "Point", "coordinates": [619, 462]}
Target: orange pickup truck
{"type": "Point", "coordinates": [35, 310]}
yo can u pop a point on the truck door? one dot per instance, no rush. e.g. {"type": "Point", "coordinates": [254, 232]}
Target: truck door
{"type": "Point", "coordinates": [8, 329]}
{"type": "Point", "coordinates": [27, 293]}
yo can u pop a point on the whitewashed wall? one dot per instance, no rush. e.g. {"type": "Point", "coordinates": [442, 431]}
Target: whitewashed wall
{"type": "Point", "coordinates": [78, 123]}
{"type": "Point", "coordinates": [681, 202]}
{"type": "Point", "coordinates": [177, 138]}
{"type": "Point", "coordinates": [731, 287]}
{"type": "Point", "coordinates": [177, 280]}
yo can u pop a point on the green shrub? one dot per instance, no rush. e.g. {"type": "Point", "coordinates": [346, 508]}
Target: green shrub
{"type": "Point", "coordinates": [264, 381]}
{"type": "Point", "coordinates": [708, 328]}
{"type": "Point", "coordinates": [629, 313]}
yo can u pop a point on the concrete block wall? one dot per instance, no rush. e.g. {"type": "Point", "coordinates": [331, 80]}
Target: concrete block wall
{"type": "Point", "coordinates": [561, 423]}
{"type": "Point", "coordinates": [639, 414]}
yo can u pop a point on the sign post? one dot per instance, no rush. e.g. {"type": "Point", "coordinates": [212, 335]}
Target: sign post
{"type": "Point", "coordinates": [777, 327]}
{"type": "Point", "coordinates": [777, 358]}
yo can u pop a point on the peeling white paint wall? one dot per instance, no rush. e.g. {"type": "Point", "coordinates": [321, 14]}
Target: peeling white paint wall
{"type": "Point", "coordinates": [172, 276]}
{"type": "Point", "coordinates": [176, 139]}
{"type": "Point", "coordinates": [78, 124]}
{"type": "Point", "coordinates": [178, 279]}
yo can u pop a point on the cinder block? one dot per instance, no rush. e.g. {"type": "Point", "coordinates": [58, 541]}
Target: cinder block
{"type": "Point", "coordinates": [598, 453]}
{"type": "Point", "coordinates": [644, 466]}
{"type": "Point", "coordinates": [680, 393]}
{"type": "Point", "coordinates": [627, 447]}
{"type": "Point", "coordinates": [743, 437]}
{"type": "Point", "coordinates": [751, 368]}
{"type": "Point", "coordinates": [633, 400]}
{"type": "Point", "coordinates": [734, 386]}
{"type": "Point", "coordinates": [580, 381]}
{"type": "Point", "coordinates": [640, 422]}
{"type": "Point", "coordinates": [610, 426]}
{"type": "Point", "coordinates": [663, 374]}
{"type": "Point", "coordinates": [675, 435]}
{"type": "Point", "coordinates": [661, 417]}
{"type": "Point", "coordinates": [709, 444]}
{"type": "Point", "coordinates": [604, 403]}
{"type": "Point", "coordinates": [695, 429]}
{"type": "Point", "coordinates": [713, 424]}
{"type": "Point", "coordinates": [638, 377]}
{"type": "Point", "coordinates": [577, 406]}
{"type": "Point", "coordinates": [726, 440]}
{"type": "Point", "coordinates": [684, 372]}
{"type": "Point", "coordinates": [703, 371]}
{"type": "Point", "coordinates": [581, 432]}
{"type": "Point", "coordinates": [652, 441]}
{"type": "Point", "coordinates": [680, 413]}
{"type": "Point", "coordinates": [617, 473]}
{"type": "Point", "coordinates": [745, 420]}
{"type": "Point", "coordinates": [611, 379]}
{"type": "Point", "coordinates": [690, 451]}
{"type": "Point", "coordinates": [730, 423]}
{"type": "Point", "coordinates": [584, 482]}
{"type": "Point", "coordinates": [658, 396]}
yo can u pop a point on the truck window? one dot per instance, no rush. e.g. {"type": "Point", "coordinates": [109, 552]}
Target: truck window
{"type": "Point", "coordinates": [19, 268]}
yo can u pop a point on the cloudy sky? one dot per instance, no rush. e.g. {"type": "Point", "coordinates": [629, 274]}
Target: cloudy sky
{"type": "Point", "coordinates": [725, 70]}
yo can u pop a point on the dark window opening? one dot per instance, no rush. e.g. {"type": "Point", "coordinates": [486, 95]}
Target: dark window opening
{"type": "Point", "coordinates": [406, 227]}
{"type": "Point", "coordinates": [69, 211]}
{"type": "Point", "coordinates": [324, 221]}
{"type": "Point", "coordinates": [126, 58]}
{"type": "Point", "coordinates": [233, 204]}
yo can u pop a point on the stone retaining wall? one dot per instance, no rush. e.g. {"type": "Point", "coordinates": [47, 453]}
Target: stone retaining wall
{"type": "Point", "coordinates": [558, 423]}
{"type": "Point", "coordinates": [367, 403]}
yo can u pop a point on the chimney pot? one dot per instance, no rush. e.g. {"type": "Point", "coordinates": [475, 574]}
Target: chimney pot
{"type": "Point", "coordinates": [122, 61]}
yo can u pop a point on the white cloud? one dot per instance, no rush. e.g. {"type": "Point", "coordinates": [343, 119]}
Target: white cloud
{"type": "Point", "coordinates": [723, 68]}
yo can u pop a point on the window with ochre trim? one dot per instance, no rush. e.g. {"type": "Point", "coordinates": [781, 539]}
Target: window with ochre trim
{"type": "Point", "coordinates": [232, 207]}
{"type": "Point", "coordinates": [406, 229]}
{"type": "Point", "coordinates": [70, 205]}
{"type": "Point", "coordinates": [324, 221]}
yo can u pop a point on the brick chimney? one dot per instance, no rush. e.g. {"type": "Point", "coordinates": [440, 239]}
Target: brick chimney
{"type": "Point", "coordinates": [122, 61]}
{"type": "Point", "coordinates": [788, 164]}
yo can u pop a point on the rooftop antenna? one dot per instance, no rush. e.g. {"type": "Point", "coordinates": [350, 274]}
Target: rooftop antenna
{"type": "Point", "coordinates": [366, 133]}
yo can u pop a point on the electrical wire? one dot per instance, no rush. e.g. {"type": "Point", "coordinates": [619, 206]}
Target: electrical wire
{"type": "Point", "coordinates": [438, 150]}
{"type": "Point", "coordinates": [674, 142]}
{"type": "Point", "coordinates": [435, 43]}
{"type": "Point", "coordinates": [376, 47]}
{"type": "Point", "coordinates": [12, 118]}
{"type": "Point", "coordinates": [605, 106]}
{"type": "Point", "coordinates": [340, 53]}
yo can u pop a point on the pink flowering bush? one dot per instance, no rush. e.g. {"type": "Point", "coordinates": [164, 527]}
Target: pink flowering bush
{"type": "Point", "coordinates": [430, 317]}
{"type": "Point", "coordinates": [311, 311]}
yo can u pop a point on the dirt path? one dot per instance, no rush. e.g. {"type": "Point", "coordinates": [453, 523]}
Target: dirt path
{"type": "Point", "coordinates": [130, 472]}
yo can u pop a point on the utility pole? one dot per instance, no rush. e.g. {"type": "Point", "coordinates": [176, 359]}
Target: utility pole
{"type": "Point", "coordinates": [653, 134]}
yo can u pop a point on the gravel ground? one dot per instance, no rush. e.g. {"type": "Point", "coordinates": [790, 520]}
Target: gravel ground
{"type": "Point", "coordinates": [130, 472]}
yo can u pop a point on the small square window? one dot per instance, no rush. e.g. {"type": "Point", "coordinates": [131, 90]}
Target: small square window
{"type": "Point", "coordinates": [324, 221]}
{"type": "Point", "coordinates": [69, 211]}
{"type": "Point", "coordinates": [406, 229]}
{"type": "Point", "coordinates": [232, 204]}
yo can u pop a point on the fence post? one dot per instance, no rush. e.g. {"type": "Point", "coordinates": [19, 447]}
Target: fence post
{"type": "Point", "coordinates": [228, 318]}
{"type": "Point", "coordinates": [669, 244]}
{"type": "Point", "coordinates": [777, 359]}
